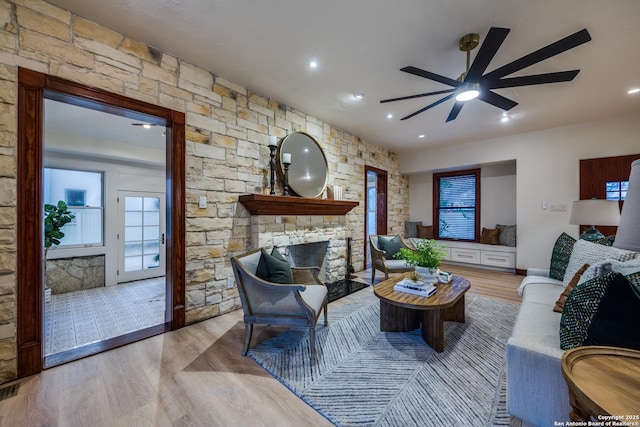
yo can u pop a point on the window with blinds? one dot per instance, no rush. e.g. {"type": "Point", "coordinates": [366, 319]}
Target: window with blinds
{"type": "Point", "coordinates": [457, 204]}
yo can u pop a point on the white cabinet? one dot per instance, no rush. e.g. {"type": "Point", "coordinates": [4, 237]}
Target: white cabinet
{"type": "Point", "coordinates": [471, 256]}
{"type": "Point", "coordinates": [498, 259]}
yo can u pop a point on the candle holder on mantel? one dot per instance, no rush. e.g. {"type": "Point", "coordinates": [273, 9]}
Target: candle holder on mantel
{"type": "Point", "coordinates": [272, 166]}
{"type": "Point", "coordinates": [286, 178]}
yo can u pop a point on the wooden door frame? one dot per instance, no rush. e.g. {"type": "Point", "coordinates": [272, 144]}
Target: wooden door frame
{"type": "Point", "coordinates": [32, 87]}
{"type": "Point", "coordinates": [381, 200]}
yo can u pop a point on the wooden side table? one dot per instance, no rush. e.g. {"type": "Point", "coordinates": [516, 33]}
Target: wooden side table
{"type": "Point", "coordinates": [604, 383]}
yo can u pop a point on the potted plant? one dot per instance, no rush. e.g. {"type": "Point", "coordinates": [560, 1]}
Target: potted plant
{"type": "Point", "coordinates": [55, 217]}
{"type": "Point", "coordinates": [426, 258]}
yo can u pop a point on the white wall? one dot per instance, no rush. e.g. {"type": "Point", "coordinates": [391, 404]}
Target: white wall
{"type": "Point", "coordinates": [118, 176]}
{"type": "Point", "coordinates": [497, 195]}
{"type": "Point", "coordinates": [547, 170]}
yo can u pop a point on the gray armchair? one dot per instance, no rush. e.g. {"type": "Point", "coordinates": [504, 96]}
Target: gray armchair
{"type": "Point", "coordinates": [263, 302]}
{"type": "Point", "coordinates": [379, 261]}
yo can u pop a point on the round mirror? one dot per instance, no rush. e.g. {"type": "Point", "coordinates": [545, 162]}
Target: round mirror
{"type": "Point", "coordinates": [308, 171]}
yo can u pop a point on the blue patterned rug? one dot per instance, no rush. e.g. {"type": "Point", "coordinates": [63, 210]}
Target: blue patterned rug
{"type": "Point", "coordinates": [364, 377]}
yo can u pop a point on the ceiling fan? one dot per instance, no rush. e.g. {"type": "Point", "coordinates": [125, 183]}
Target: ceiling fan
{"type": "Point", "coordinates": [473, 83]}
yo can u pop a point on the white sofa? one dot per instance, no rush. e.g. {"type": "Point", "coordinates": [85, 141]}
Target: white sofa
{"type": "Point", "coordinates": [536, 390]}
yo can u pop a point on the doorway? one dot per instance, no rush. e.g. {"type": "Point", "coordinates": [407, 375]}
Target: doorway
{"type": "Point", "coordinates": [33, 88]}
{"type": "Point", "coordinates": [375, 206]}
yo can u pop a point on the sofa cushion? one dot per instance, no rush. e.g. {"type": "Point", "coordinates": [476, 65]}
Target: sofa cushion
{"type": "Point", "coordinates": [560, 256]}
{"type": "Point", "coordinates": [489, 236]}
{"type": "Point", "coordinates": [425, 231]}
{"type": "Point", "coordinates": [536, 326]}
{"type": "Point", "coordinates": [390, 246]}
{"type": "Point", "coordinates": [274, 268]}
{"type": "Point", "coordinates": [601, 311]}
{"type": "Point", "coordinates": [506, 235]}
{"type": "Point", "coordinates": [411, 229]}
{"type": "Point", "coordinates": [572, 284]}
{"type": "Point", "coordinates": [585, 252]}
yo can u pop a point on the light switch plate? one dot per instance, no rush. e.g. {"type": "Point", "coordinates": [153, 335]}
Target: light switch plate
{"type": "Point", "coordinates": [202, 203]}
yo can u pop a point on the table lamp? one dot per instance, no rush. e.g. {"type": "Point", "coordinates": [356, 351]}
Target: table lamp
{"type": "Point", "coordinates": [628, 235]}
{"type": "Point", "coordinates": [594, 212]}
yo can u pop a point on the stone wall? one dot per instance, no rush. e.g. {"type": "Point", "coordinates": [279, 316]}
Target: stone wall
{"type": "Point", "coordinates": [228, 129]}
{"type": "Point", "coordinates": [74, 274]}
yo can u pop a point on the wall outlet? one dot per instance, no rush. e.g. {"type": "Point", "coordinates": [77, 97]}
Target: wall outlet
{"type": "Point", "coordinates": [202, 202]}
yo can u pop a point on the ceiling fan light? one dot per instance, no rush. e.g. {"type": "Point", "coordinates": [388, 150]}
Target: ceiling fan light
{"type": "Point", "coordinates": [468, 92]}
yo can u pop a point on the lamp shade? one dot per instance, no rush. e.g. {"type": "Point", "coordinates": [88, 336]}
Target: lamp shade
{"type": "Point", "coordinates": [628, 235]}
{"type": "Point", "coordinates": [595, 212]}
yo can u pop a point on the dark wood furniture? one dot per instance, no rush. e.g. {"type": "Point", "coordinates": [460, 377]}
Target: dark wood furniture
{"type": "Point", "coordinates": [402, 312]}
{"type": "Point", "coordinates": [265, 204]}
{"type": "Point", "coordinates": [603, 382]}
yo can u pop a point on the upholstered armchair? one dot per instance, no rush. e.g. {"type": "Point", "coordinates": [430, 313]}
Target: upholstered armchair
{"type": "Point", "coordinates": [264, 302]}
{"type": "Point", "coordinates": [380, 262]}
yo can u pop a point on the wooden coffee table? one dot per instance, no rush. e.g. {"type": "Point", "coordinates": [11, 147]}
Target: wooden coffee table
{"type": "Point", "coordinates": [604, 382]}
{"type": "Point", "coordinates": [402, 312]}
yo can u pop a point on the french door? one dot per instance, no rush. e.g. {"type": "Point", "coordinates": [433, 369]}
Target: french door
{"type": "Point", "coordinates": [141, 236]}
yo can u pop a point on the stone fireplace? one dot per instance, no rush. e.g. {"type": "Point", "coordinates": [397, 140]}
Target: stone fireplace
{"type": "Point", "coordinates": [306, 241]}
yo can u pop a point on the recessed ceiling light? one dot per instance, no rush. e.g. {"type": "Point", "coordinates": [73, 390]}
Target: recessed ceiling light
{"type": "Point", "coordinates": [634, 90]}
{"type": "Point", "coordinates": [358, 95]}
{"type": "Point", "coordinates": [313, 64]}
{"type": "Point", "coordinates": [389, 116]}
{"type": "Point", "coordinates": [420, 136]}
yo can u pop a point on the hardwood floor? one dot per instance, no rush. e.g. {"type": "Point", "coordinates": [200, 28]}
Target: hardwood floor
{"type": "Point", "coordinates": [194, 376]}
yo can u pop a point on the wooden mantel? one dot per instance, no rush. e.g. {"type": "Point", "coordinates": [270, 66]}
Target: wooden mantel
{"type": "Point", "coordinates": [264, 204]}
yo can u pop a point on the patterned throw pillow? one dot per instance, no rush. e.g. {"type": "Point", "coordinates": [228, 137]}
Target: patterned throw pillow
{"type": "Point", "coordinates": [411, 229]}
{"type": "Point", "coordinates": [572, 284]}
{"type": "Point", "coordinates": [585, 252]}
{"type": "Point", "coordinates": [489, 236]}
{"type": "Point", "coordinates": [425, 231]}
{"type": "Point", "coordinates": [618, 316]}
{"type": "Point", "coordinates": [606, 241]}
{"type": "Point", "coordinates": [390, 246]}
{"type": "Point", "coordinates": [579, 309]}
{"type": "Point", "coordinates": [603, 311]}
{"type": "Point", "coordinates": [560, 256]}
{"type": "Point", "coordinates": [506, 235]}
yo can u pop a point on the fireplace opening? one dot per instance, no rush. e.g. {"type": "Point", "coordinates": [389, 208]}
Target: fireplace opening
{"type": "Point", "coordinates": [335, 271]}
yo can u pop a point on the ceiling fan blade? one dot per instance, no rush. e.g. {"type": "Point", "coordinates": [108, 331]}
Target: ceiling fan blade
{"type": "Point", "coordinates": [438, 102]}
{"type": "Point", "coordinates": [455, 111]}
{"type": "Point", "coordinates": [497, 100]}
{"type": "Point", "coordinates": [431, 76]}
{"type": "Point", "coordinates": [487, 51]}
{"type": "Point", "coordinates": [569, 42]}
{"type": "Point", "coordinates": [536, 79]}
{"type": "Point", "coordinates": [402, 98]}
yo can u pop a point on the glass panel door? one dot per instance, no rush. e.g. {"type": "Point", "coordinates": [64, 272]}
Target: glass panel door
{"type": "Point", "coordinates": [142, 236]}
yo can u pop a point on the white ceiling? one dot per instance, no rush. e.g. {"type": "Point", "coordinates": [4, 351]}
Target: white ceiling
{"type": "Point", "coordinates": [360, 45]}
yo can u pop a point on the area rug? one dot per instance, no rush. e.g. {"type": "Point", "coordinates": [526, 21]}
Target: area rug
{"type": "Point", "coordinates": [364, 377]}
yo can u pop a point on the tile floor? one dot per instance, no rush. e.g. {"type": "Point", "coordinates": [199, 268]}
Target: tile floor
{"type": "Point", "coordinates": [75, 319]}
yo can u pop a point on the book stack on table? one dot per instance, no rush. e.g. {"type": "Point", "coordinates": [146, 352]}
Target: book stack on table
{"type": "Point", "coordinates": [422, 288]}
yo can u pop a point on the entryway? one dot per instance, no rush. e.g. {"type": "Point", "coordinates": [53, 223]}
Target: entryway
{"type": "Point", "coordinates": [33, 88]}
